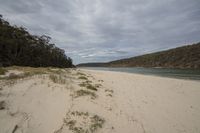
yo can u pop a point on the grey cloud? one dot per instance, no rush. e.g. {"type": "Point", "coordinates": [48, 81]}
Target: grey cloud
{"type": "Point", "coordinates": [104, 30]}
{"type": "Point", "coordinates": [20, 6]}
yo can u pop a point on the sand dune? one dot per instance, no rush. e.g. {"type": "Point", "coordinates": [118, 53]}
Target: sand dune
{"type": "Point", "coordinates": [80, 101]}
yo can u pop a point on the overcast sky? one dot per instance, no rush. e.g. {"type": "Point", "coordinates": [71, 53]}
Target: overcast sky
{"type": "Point", "coordinates": [104, 30]}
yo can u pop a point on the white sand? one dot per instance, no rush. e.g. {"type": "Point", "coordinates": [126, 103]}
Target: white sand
{"type": "Point", "coordinates": [148, 104]}
{"type": "Point", "coordinates": [129, 103]}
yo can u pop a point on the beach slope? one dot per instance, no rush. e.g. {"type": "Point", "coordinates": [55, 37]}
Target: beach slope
{"type": "Point", "coordinates": [150, 104]}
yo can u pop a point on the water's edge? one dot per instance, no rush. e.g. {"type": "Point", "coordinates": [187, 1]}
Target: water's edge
{"type": "Point", "coordinates": [163, 72]}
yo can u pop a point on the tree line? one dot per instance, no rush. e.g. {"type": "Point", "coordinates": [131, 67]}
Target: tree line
{"type": "Point", "coordinates": [19, 47]}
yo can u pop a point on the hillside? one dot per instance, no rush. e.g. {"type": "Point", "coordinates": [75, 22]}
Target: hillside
{"type": "Point", "coordinates": [187, 57]}
{"type": "Point", "coordinates": [19, 47]}
{"type": "Point", "coordinates": [92, 64]}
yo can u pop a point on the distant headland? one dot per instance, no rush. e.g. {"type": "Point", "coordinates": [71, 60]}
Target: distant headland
{"type": "Point", "coordinates": [185, 57]}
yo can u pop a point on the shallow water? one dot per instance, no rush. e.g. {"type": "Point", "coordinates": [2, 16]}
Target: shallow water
{"type": "Point", "coordinates": [164, 72]}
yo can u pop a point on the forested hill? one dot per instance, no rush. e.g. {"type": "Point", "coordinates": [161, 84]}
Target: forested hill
{"type": "Point", "coordinates": [182, 57]}
{"type": "Point", "coordinates": [19, 47]}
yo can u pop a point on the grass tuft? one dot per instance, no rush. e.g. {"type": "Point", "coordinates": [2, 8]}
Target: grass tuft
{"type": "Point", "coordinates": [13, 76]}
{"type": "Point", "coordinates": [85, 93]}
{"type": "Point", "coordinates": [98, 85]}
{"type": "Point", "coordinates": [83, 77]}
{"type": "Point", "coordinates": [83, 122]}
{"type": "Point", "coordinates": [82, 74]}
{"type": "Point", "coordinates": [2, 105]}
{"type": "Point", "coordinates": [97, 122]}
{"type": "Point", "coordinates": [71, 124]}
{"type": "Point", "coordinates": [107, 90]}
{"type": "Point", "coordinates": [2, 71]}
{"type": "Point", "coordinates": [89, 86]}
{"type": "Point", "coordinates": [55, 70]}
{"type": "Point", "coordinates": [57, 79]}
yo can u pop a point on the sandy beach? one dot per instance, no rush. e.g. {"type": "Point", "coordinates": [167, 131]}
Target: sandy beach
{"type": "Point", "coordinates": [90, 101]}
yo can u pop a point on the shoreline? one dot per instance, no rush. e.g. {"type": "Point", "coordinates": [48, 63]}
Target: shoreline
{"type": "Point", "coordinates": [174, 76]}
{"type": "Point", "coordinates": [142, 74]}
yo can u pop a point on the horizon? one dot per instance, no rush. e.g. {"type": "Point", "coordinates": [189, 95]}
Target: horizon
{"type": "Point", "coordinates": [103, 31]}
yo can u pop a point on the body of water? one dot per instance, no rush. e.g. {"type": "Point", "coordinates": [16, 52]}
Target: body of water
{"type": "Point", "coordinates": [164, 72]}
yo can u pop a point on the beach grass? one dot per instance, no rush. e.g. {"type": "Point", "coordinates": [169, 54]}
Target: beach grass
{"type": "Point", "coordinates": [76, 121]}
{"type": "Point", "coordinates": [2, 105]}
{"type": "Point", "coordinates": [2, 71]}
{"type": "Point", "coordinates": [83, 77]}
{"type": "Point", "coordinates": [85, 93]}
{"type": "Point", "coordinates": [82, 74]}
{"type": "Point", "coordinates": [57, 79]}
{"type": "Point", "coordinates": [88, 85]}
{"type": "Point", "coordinates": [97, 122]}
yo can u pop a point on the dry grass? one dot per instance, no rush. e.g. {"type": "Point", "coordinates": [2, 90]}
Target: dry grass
{"type": "Point", "coordinates": [83, 84]}
{"type": "Point", "coordinates": [82, 74]}
{"type": "Point", "coordinates": [87, 85]}
{"type": "Point", "coordinates": [110, 92]}
{"type": "Point", "coordinates": [57, 79]}
{"type": "Point", "coordinates": [97, 122]}
{"type": "Point", "coordinates": [83, 122]}
{"type": "Point", "coordinates": [55, 70]}
{"type": "Point", "coordinates": [98, 85]}
{"type": "Point", "coordinates": [91, 87]}
{"type": "Point", "coordinates": [2, 105]}
{"type": "Point", "coordinates": [110, 95]}
{"type": "Point", "coordinates": [38, 70]}
{"type": "Point", "coordinates": [55, 73]}
{"type": "Point", "coordinates": [107, 90]}
{"type": "Point", "coordinates": [26, 72]}
{"type": "Point", "coordinates": [83, 77]}
{"type": "Point", "coordinates": [2, 71]}
{"type": "Point", "coordinates": [100, 80]}
{"type": "Point", "coordinates": [85, 93]}
{"type": "Point", "coordinates": [13, 76]}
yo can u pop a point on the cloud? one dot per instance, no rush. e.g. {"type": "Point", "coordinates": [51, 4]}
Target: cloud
{"type": "Point", "coordinates": [102, 30]}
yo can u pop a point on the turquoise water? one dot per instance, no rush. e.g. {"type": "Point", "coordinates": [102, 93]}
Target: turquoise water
{"type": "Point", "coordinates": [164, 72]}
